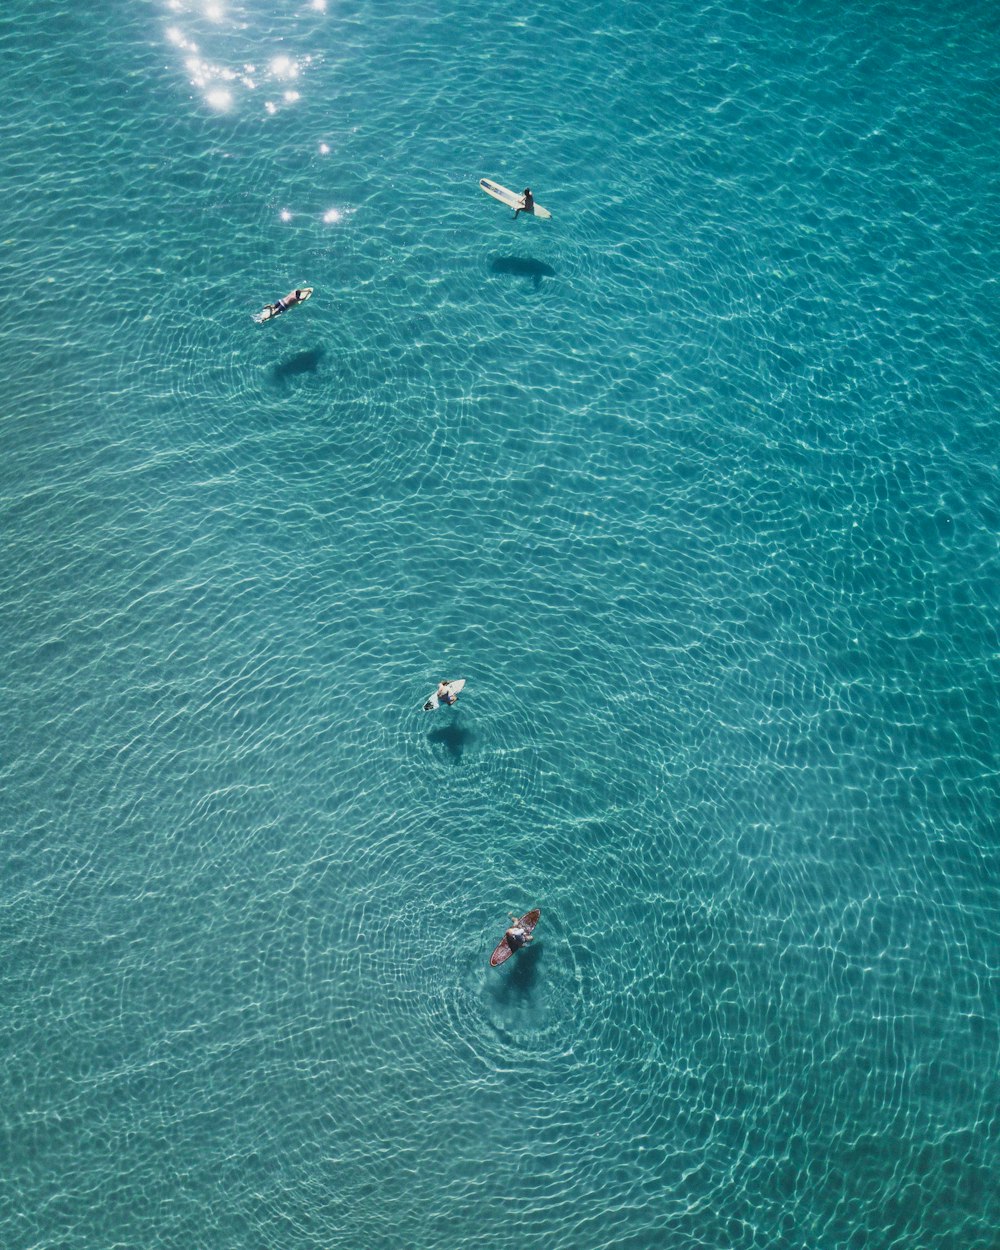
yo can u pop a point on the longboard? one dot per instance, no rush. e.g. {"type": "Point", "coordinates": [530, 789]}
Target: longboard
{"type": "Point", "coordinates": [433, 702]}
{"type": "Point", "coordinates": [510, 198]}
{"type": "Point", "coordinates": [267, 313]}
{"type": "Point", "coordinates": [503, 951]}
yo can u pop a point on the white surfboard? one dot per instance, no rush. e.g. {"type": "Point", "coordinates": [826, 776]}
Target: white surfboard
{"type": "Point", "coordinates": [510, 198]}
{"type": "Point", "coordinates": [455, 687]}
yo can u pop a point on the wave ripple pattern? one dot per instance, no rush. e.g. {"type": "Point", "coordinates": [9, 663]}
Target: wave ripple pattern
{"type": "Point", "coordinates": [696, 485]}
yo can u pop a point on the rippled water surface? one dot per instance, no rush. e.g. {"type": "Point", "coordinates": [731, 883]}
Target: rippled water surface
{"type": "Point", "coordinates": [695, 484]}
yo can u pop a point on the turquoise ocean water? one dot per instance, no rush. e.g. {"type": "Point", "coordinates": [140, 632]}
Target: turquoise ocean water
{"type": "Point", "coordinates": [696, 484]}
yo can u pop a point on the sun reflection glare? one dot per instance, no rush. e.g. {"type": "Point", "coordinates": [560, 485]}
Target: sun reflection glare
{"type": "Point", "coordinates": [180, 40]}
{"type": "Point", "coordinates": [284, 67]}
{"type": "Point", "coordinates": [211, 72]}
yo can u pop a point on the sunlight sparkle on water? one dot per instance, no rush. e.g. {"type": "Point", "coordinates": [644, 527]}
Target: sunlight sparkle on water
{"type": "Point", "coordinates": [180, 40]}
{"type": "Point", "coordinates": [332, 215]}
{"type": "Point", "coordinates": [220, 98]}
{"type": "Point", "coordinates": [208, 76]}
{"type": "Point", "coordinates": [284, 67]}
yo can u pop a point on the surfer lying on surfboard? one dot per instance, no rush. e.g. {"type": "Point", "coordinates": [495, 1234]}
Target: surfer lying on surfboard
{"type": "Point", "coordinates": [517, 935]}
{"type": "Point", "coordinates": [298, 296]}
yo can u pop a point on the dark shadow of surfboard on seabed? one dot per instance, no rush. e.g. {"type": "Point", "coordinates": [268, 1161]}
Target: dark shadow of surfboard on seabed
{"type": "Point", "coordinates": [454, 739]}
{"type": "Point", "coordinates": [518, 975]}
{"type": "Point", "coordinates": [522, 267]}
{"type": "Point", "coordinates": [297, 366]}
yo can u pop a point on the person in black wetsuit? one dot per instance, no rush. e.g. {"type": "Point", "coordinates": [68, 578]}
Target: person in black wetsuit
{"type": "Point", "coordinates": [527, 203]}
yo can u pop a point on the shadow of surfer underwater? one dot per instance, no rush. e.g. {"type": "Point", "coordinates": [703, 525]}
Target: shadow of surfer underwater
{"type": "Point", "coordinates": [296, 366]}
{"type": "Point", "coordinates": [519, 974]}
{"type": "Point", "coordinates": [523, 267]}
{"type": "Point", "coordinates": [454, 739]}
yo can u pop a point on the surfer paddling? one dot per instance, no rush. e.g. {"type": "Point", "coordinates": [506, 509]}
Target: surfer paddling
{"type": "Point", "coordinates": [527, 203]}
{"type": "Point", "coordinates": [298, 296]}
{"type": "Point", "coordinates": [517, 935]}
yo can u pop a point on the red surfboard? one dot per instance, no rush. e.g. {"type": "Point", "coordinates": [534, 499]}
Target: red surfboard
{"type": "Point", "coordinates": [503, 951]}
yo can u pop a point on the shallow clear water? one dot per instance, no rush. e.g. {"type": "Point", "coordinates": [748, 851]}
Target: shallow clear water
{"type": "Point", "coordinates": [696, 484]}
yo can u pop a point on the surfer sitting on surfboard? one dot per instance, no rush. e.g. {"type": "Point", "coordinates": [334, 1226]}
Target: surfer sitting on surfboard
{"type": "Point", "coordinates": [446, 693]}
{"type": "Point", "coordinates": [527, 203]}
{"type": "Point", "coordinates": [517, 935]}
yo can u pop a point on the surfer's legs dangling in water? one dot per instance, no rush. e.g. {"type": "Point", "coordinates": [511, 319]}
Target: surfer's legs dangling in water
{"type": "Point", "coordinates": [527, 203]}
